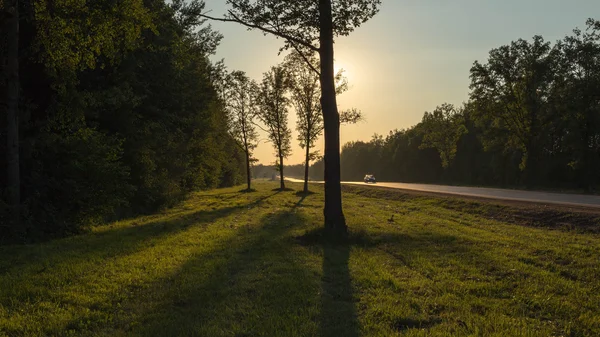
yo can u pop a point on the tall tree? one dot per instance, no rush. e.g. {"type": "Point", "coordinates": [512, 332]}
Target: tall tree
{"type": "Point", "coordinates": [240, 100]}
{"type": "Point", "coordinates": [303, 24]}
{"type": "Point", "coordinates": [273, 112]}
{"type": "Point", "coordinates": [577, 100]}
{"type": "Point", "coordinates": [305, 96]}
{"type": "Point", "coordinates": [510, 90]}
{"type": "Point", "coordinates": [11, 14]}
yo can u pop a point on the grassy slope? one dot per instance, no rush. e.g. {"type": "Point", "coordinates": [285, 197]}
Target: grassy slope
{"type": "Point", "coordinates": [251, 264]}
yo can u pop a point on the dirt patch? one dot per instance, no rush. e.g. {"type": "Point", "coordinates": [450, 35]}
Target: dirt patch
{"type": "Point", "coordinates": [565, 218]}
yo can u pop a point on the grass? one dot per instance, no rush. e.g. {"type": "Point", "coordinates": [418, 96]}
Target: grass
{"type": "Point", "coordinates": [233, 263]}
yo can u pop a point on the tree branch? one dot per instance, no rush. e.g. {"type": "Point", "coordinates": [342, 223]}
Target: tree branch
{"type": "Point", "coordinates": [260, 127]}
{"type": "Point", "coordinates": [290, 38]}
{"type": "Point", "coordinates": [310, 65]}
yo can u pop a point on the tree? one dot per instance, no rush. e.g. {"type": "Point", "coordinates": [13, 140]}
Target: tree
{"type": "Point", "coordinates": [510, 90]}
{"type": "Point", "coordinates": [273, 112]}
{"type": "Point", "coordinates": [305, 95]}
{"type": "Point", "coordinates": [302, 24]}
{"type": "Point", "coordinates": [241, 104]}
{"type": "Point", "coordinates": [443, 128]}
{"type": "Point", "coordinates": [577, 100]}
{"type": "Point", "coordinates": [306, 92]}
{"type": "Point", "coordinates": [11, 11]}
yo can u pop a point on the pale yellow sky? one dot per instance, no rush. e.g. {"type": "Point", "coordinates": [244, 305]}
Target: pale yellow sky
{"type": "Point", "coordinates": [411, 57]}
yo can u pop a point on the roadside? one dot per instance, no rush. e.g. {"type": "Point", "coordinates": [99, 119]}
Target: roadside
{"type": "Point", "coordinates": [563, 200]}
{"type": "Point", "coordinates": [532, 214]}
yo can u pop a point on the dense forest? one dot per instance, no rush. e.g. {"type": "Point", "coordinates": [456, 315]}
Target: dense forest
{"type": "Point", "coordinates": [118, 112]}
{"type": "Point", "coordinates": [532, 120]}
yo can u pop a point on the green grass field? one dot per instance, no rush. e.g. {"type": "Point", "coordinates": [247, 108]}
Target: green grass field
{"type": "Point", "coordinates": [227, 263]}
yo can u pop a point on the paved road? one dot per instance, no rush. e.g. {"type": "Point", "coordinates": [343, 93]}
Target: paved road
{"type": "Point", "coordinates": [492, 193]}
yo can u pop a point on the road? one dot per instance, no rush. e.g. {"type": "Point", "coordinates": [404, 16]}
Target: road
{"type": "Point", "coordinates": [580, 200]}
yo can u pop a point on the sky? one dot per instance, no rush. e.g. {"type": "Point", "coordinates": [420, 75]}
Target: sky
{"type": "Point", "coordinates": [411, 57]}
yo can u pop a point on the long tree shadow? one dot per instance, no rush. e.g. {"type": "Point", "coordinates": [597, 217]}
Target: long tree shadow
{"type": "Point", "coordinates": [338, 316]}
{"type": "Point", "coordinates": [34, 263]}
{"type": "Point", "coordinates": [303, 195]}
{"type": "Point", "coordinates": [338, 311]}
{"type": "Point", "coordinates": [253, 285]}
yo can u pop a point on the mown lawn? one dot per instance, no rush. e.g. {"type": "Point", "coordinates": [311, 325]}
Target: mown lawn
{"type": "Point", "coordinates": [227, 263]}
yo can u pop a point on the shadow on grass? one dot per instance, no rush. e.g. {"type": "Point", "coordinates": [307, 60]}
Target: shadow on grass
{"type": "Point", "coordinates": [304, 194]}
{"type": "Point", "coordinates": [338, 315]}
{"type": "Point", "coordinates": [338, 310]}
{"type": "Point", "coordinates": [110, 243]}
{"type": "Point", "coordinates": [254, 285]}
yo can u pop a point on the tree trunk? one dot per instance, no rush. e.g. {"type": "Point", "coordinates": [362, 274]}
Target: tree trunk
{"type": "Point", "coordinates": [281, 180]}
{"type": "Point", "coordinates": [306, 166]}
{"type": "Point", "coordinates": [335, 223]}
{"type": "Point", "coordinates": [12, 113]}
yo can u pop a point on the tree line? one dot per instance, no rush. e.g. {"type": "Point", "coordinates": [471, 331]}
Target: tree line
{"type": "Point", "coordinates": [532, 120]}
{"type": "Point", "coordinates": [118, 113]}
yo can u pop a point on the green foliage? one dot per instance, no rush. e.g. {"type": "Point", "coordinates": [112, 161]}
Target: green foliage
{"type": "Point", "coordinates": [74, 35]}
{"type": "Point", "coordinates": [76, 180]}
{"type": "Point", "coordinates": [510, 90]}
{"type": "Point", "coordinates": [239, 95]}
{"type": "Point", "coordinates": [302, 24]}
{"type": "Point", "coordinates": [398, 156]}
{"type": "Point", "coordinates": [119, 112]}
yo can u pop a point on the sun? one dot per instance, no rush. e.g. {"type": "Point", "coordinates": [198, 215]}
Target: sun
{"type": "Point", "coordinates": [341, 63]}
{"type": "Point", "coordinates": [339, 66]}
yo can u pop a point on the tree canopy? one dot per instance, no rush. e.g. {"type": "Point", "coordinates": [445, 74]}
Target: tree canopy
{"type": "Point", "coordinates": [118, 113]}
